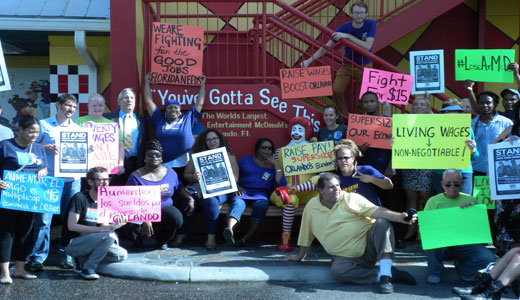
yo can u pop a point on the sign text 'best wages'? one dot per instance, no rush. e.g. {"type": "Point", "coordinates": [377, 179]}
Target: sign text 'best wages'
{"type": "Point", "coordinates": [394, 88]}
{"type": "Point", "coordinates": [176, 54]}
{"type": "Point", "coordinates": [306, 82]}
{"type": "Point", "coordinates": [430, 141]}
{"type": "Point", "coordinates": [139, 203]}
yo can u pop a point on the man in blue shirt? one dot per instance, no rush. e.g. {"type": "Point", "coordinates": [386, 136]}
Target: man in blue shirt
{"type": "Point", "coordinates": [65, 108]}
{"type": "Point", "coordinates": [360, 31]}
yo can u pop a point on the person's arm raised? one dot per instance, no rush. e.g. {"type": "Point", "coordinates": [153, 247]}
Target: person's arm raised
{"type": "Point", "coordinates": [202, 94]}
{"type": "Point", "coordinates": [148, 100]}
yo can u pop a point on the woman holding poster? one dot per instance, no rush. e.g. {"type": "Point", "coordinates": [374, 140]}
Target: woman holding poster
{"type": "Point", "coordinates": [259, 175]}
{"type": "Point", "coordinates": [23, 155]}
{"type": "Point", "coordinates": [172, 128]}
{"type": "Point", "coordinates": [206, 140]}
{"type": "Point", "coordinates": [333, 131]}
{"type": "Point", "coordinates": [154, 173]}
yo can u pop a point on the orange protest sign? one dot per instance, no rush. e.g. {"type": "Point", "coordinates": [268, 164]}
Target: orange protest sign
{"type": "Point", "coordinates": [374, 130]}
{"type": "Point", "coordinates": [176, 54]}
{"type": "Point", "coordinates": [307, 82]}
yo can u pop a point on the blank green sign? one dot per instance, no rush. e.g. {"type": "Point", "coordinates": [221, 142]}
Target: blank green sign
{"type": "Point", "coordinates": [454, 226]}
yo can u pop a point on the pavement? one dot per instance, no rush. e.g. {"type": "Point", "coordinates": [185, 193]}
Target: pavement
{"type": "Point", "coordinates": [258, 262]}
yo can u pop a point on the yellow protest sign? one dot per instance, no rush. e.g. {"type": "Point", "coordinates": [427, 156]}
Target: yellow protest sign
{"type": "Point", "coordinates": [430, 141]}
{"type": "Point", "coordinates": [307, 158]}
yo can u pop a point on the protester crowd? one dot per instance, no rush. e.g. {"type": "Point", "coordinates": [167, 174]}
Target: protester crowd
{"type": "Point", "coordinates": [357, 212]}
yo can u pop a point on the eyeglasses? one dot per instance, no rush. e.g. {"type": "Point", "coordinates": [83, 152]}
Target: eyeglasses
{"type": "Point", "coordinates": [101, 179]}
{"type": "Point", "coordinates": [154, 154]}
{"type": "Point", "coordinates": [266, 148]}
{"type": "Point", "coordinates": [449, 184]}
{"type": "Point", "coordinates": [344, 157]}
{"type": "Point", "coordinates": [359, 13]}
{"type": "Point", "coordinates": [212, 140]}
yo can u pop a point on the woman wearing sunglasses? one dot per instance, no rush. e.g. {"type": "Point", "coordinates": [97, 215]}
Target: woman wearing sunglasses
{"type": "Point", "coordinates": [259, 175]}
{"type": "Point", "coordinates": [154, 173]}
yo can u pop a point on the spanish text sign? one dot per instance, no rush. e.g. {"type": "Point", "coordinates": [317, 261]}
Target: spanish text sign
{"type": "Point", "coordinates": [26, 193]}
{"type": "Point", "coordinates": [454, 226]}
{"type": "Point", "coordinates": [394, 88]}
{"type": "Point", "coordinates": [307, 158]}
{"type": "Point", "coordinates": [484, 64]}
{"type": "Point", "coordinates": [140, 203]}
{"type": "Point", "coordinates": [428, 141]}
{"type": "Point", "coordinates": [481, 191]}
{"type": "Point", "coordinates": [306, 82]}
{"type": "Point", "coordinates": [176, 54]}
{"type": "Point", "coordinates": [374, 130]}
{"type": "Point", "coordinates": [105, 144]}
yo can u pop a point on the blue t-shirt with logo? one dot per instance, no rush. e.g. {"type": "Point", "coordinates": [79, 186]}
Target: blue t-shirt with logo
{"type": "Point", "coordinates": [367, 30]}
{"type": "Point", "coordinates": [13, 156]}
{"type": "Point", "coordinates": [354, 185]}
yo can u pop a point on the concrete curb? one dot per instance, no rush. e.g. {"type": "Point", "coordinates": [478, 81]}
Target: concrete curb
{"type": "Point", "coordinates": [320, 274]}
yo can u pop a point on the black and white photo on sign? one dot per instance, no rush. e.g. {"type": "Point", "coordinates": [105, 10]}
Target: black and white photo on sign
{"type": "Point", "coordinates": [504, 170]}
{"type": "Point", "coordinates": [427, 69]}
{"type": "Point", "coordinates": [217, 175]}
{"type": "Point", "coordinates": [4, 77]}
{"type": "Point", "coordinates": [72, 159]}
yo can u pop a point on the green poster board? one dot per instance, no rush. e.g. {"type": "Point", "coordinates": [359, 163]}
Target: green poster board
{"type": "Point", "coordinates": [487, 65]}
{"type": "Point", "coordinates": [481, 191]}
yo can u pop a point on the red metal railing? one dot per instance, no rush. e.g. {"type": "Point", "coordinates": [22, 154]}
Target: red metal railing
{"type": "Point", "coordinates": [250, 41]}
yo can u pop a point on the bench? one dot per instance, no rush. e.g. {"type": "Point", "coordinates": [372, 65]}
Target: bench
{"type": "Point", "coordinates": [272, 211]}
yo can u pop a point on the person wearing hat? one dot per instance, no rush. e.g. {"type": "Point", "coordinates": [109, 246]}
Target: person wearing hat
{"type": "Point", "coordinates": [509, 98]}
{"type": "Point", "coordinates": [453, 106]}
{"type": "Point", "coordinates": [172, 128]}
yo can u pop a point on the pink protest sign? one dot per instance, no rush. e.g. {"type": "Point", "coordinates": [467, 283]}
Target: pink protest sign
{"type": "Point", "coordinates": [394, 88]}
{"type": "Point", "coordinates": [140, 203]}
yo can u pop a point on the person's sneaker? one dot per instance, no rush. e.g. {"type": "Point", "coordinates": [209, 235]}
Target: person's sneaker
{"type": "Point", "coordinates": [77, 265]}
{"type": "Point", "coordinates": [89, 274]}
{"type": "Point", "coordinates": [384, 286]}
{"type": "Point", "coordinates": [37, 266]}
{"type": "Point", "coordinates": [433, 279]}
{"type": "Point", "coordinates": [67, 263]}
{"type": "Point", "coordinates": [400, 276]}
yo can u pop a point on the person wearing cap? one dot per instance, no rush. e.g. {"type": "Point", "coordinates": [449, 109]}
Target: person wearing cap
{"type": "Point", "coordinates": [509, 98]}
{"type": "Point", "coordinates": [134, 130]}
{"type": "Point", "coordinates": [468, 258]}
{"type": "Point", "coordinates": [453, 106]}
{"type": "Point", "coordinates": [487, 126]}
{"type": "Point", "coordinates": [172, 128]}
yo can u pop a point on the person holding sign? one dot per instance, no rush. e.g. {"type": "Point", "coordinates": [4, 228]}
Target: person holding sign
{"type": "Point", "coordinates": [259, 175]}
{"type": "Point", "coordinates": [468, 258]}
{"type": "Point", "coordinates": [491, 284]}
{"type": "Point", "coordinates": [24, 155]}
{"type": "Point", "coordinates": [65, 109]}
{"type": "Point", "coordinates": [206, 140]}
{"type": "Point", "coordinates": [360, 31]}
{"type": "Point", "coordinates": [154, 173]}
{"type": "Point", "coordinates": [90, 242]}
{"type": "Point", "coordinates": [333, 131]}
{"type": "Point", "coordinates": [355, 232]}
{"type": "Point", "coordinates": [173, 129]}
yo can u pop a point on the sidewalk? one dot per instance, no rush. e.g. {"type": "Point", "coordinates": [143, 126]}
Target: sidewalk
{"type": "Point", "coordinates": [259, 262]}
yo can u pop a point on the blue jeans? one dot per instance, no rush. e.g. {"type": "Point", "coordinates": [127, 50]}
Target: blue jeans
{"type": "Point", "coordinates": [211, 209]}
{"type": "Point", "coordinates": [42, 225]}
{"type": "Point", "coordinates": [238, 205]}
{"type": "Point", "coordinates": [467, 188]}
{"type": "Point", "coordinates": [468, 259]}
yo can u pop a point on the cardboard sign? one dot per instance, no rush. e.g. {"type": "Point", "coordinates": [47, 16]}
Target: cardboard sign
{"type": "Point", "coordinates": [176, 54]}
{"type": "Point", "coordinates": [487, 65]}
{"type": "Point", "coordinates": [374, 130]}
{"type": "Point", "coordinates": [431, 141]}
{"type": "Point", "coordinates": [307, 158]}
{"type": "Point", "coordinates": [454, 226]}
{"type": "Point", "coordinates": [26, 193]}
{"type": "Point", "coordinates": [140, 203]}
{"type": "Point", "coordinates": [481, 191]}
{"type": "Point", "coordinates": [306, 82]}
{"type": "Point", "coordinates": [105, 141]}
{"type": "Point", "coordinates": [427, 69]}
{"type": "Point", "coordinates": [394, 88]}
